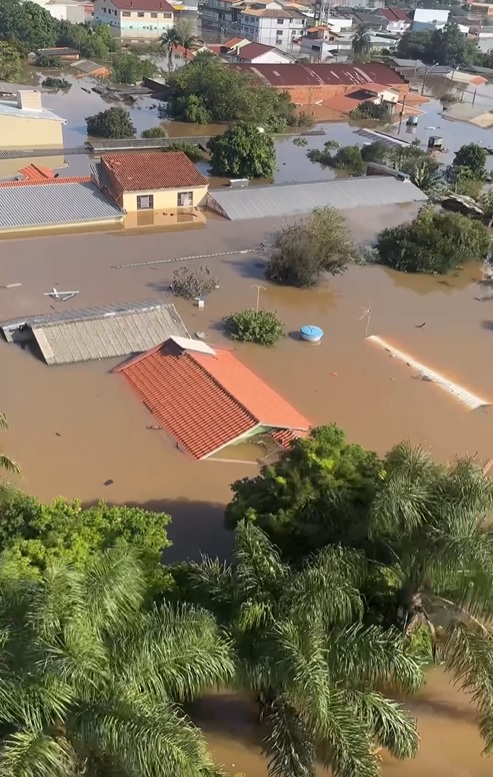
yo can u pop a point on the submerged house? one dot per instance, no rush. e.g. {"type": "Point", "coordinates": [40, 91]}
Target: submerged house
{"type": "Point", "coordinates": [207, 399]}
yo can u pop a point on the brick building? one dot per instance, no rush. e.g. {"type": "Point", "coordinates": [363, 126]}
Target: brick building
{"type": "Point", "coordinates": [308, 84]}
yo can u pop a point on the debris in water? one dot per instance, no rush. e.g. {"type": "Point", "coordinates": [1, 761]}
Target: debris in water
{"type": "Point", "coordinates": [420, 326]}
{"type": "Point", "coordinates": [334, 374]}
{"type": "Point", "coordinates": [10, 285]}
{"type": "Point", "coordinates": [427, 378]}
{"type": "Point", "coordinates": [154, 429]}
{"type": "Point", "coordinates": [108, 482]}
{"type": "Point", "coordinates": [57, 434]}
{"type": "Point", "coordinates": [200, 335]}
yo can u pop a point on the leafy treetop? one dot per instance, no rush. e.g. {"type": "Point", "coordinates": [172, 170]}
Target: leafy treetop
{"type": "Point", "coordinates": [112, 123]}
{"type": "Point", "coordinates": [10, 62]}
{"type": "Point", "coordinates": [255, 326]}
{"type": "Point", "coordinates": [473, 157]}
{"type": "Point", "coordinates": [243, 151]}
{"type": "Point", "coordinates": [444, 47]}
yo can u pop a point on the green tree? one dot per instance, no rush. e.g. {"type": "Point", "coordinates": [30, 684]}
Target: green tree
{"type": "Point", "coordinates": [39, 535]}
{"type": "Point", "coordinates": [416, 45]}
{"type": "Point", "coordinates": [93, 683]}
{"type": "Point", "coordinates": [318, 673]}
{"type": "Point", "coordinates": [243, 151]}
{"type": "Point", "coordinates": [255, 326]}
{"type": "Point", "coordinates": [93, 41]}
{"type": "Point", "coordinates": [154, 132]}
{"type": "Point", "coordinates": [371, 111]}
{"type": "Point", "coordinates": [349, 158]}
{"type": "Point", "coordinates": [304, 499]}
{"type": "Point", "coordinates": [208, 90]}
{"type": "Point", "coordinates": [6, 463]}
{"type": "Point", "coordinates": [426, 174]}
{"type": "Point", "coordinates": [435, 242]}
{"type": "Point", "coordinates": [112, 123]}
{"type": "Point", "coordinates": [361, 44]}
{"type": "Point", "coordinates": [302, 252]}
{"type": "Point", "coordinates": [127, 68]}
{"type": "Point", "coordinates": [27, 25]}
{"type": "Point", "coordinates": [449, 46]}
{"type": "Point", "coordinates": [191, 150]}
{"type": "Point", "coordinates": [180, 35]}
{"type": "Point", "coordinates": [375, 152]}
{"type": "Point", "coordinates": [473, 157]}
{"type": "Point", "coordinates": [10, 62]}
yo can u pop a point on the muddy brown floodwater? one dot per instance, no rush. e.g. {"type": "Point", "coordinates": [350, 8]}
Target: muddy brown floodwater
{"type": "Point", "coordinates": [75, 427]}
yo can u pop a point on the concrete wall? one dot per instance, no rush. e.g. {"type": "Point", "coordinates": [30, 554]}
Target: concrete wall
{"type": "Point", "coordinates": [165, 199]}
{"type": "Point", "coordinates": [133, 24]}
{"type": "Point", "coordinates": [305, 95]}
{"type": "Point", "coordinates": [430, 15]}
{"type": "Point", "coordinates": [24, 132]}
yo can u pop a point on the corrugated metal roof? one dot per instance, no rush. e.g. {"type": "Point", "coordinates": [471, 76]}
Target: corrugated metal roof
{"type": "Point", "coordinates": [10, 109]}
{"type": "Point", "coordinates": [40, 205]}
{"type": "Point", "coordinates": [102, 333]}
{"type": "Point", "coordinates": [293, 199]}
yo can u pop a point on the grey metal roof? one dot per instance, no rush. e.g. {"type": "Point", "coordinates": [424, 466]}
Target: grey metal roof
{"type": "Point", "coordinates": [86, 66]}
{"type": "Point", "coordinates": [8, 108]}
{"type": "Point", "coordinates": [99, 333]}
{"type": "Point", "coordinates": [293, 199]}
{"type": "Point", "coordinates": [52, 204]}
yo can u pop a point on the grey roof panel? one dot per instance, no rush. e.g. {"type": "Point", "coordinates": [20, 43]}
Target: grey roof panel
{"type": "Point", "coordinates": [41, 205]}
{"type": "Point", "coordinates": [102, 333]}
{"type": "Point", "coordinates": [293, 199]}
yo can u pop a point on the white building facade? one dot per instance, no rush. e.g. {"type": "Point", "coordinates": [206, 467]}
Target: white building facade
{"type": "Point", "coordinates": [271, 24]}
{"type": "Point", "coordinates": [135, 19]}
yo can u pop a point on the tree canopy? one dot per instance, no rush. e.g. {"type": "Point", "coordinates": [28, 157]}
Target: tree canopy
{"type": "Point", "coordinates": [112, 123]}
{"type": "Point", "coordinates": [10, 62]}
{"type": "Point", "coordinates": [208, 90]}
{"type": "Point", "coordinates": [255, 326]}
{"type": "Point", "coordinates": [6, 463]}
{"type": "Point", "coordinates": [447, 46]}
{"type": "Point", "coordinates": [180, 35]}
{"type": "Point", "coordinates": [127, 68]}
{"type": "Point", "coordinates": [473, 157]}
{"type": "Point", "coordinates": [27, 25]}
{"type": "Point", "coordinates": [92, 682]}
{"type": "Point", "coordinates": [317, 671]}
{"type": "Point", "coordinates": [302, 252]}
{"type": "Point", "coordinates": [243, 151]}
{"type": "Point", "coordinates": [435, 242]}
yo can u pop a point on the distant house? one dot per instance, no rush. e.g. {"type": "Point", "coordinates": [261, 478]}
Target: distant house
{"type": "Point", "coordinates": [271, 23]}
{"type": "Point", "coordinates": [159, 187]}
{"type": "Point", "coordinates": [429, 19]}
{"type": "Point", "coordinates": [206, 398]}
{"type": "Point", "coordinates": [308, 84]}
{"type": "Point", "coordinates": [135, 19]}
{"type": "Point", "coordinates": [63, 53]}
{"type": "Point", "coordinates": [255, 53]}
{"type": "Point", "coordinates": [397, 19]}
{"type": "Point", "coordinates": [74, 12]}
{"type": "Point", "coordinates": [24, 123]}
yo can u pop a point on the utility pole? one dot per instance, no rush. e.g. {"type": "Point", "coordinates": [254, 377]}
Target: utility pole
{"type": "Point", "coordinates": [259, 289]}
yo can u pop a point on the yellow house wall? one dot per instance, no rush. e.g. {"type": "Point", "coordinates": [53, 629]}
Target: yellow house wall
{"type": "Point", "coordinates": [165, 199]}
{"type": "Point", "coordinates": [23, 132]}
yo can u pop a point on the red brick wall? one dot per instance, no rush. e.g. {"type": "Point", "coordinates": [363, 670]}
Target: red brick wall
{"type": "Point", "coordinates": [304, 95]}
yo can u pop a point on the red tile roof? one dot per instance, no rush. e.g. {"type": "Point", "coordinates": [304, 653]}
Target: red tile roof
{"type": "Point", "coordinates": [320, 74]}
{"type": "Point", "coordinates": [37, 172]}
{"type": "Point", "coordinates": [46, 181]}
{"type": "Point", "coordinates": [143, 5]}
{"type": "Point", "coordinates": [153, 170]}
{"type": "Point", "coordinates": [253, 50]}
{"type": "Point", "coordinates": [394, 14]}
{"type": "Point", "coordinates": [206, 401]}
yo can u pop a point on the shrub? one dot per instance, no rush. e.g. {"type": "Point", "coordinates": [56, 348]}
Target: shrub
{"type": "Point", "coordinates": [153, 132]}
{"type": "Point", "coordinates": [113, 123]}
{"type": "Point", "coordinates": [375, 152]}
{"type": "Point", "coordinates": [243, 152]}
{"type": "Point", "coordinates": [249, 326]}
{"type": "Point", "coordinates": [193, 152]}
{"type": "Point", "coordinates": [191, 283]}
{"type": "Point", "coordinates": [371, 111]}
{"type": "Point", "coordinates": [56, 83]}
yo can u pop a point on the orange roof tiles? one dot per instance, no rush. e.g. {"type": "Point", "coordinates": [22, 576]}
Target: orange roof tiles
{"type": "Point", "coordinates": [37, 172]}
{"type": "Point", "coordinates": [45, 181]}
{"type": "Point", "coordinates": [144, 171]}
{"type": "Point", "coordinates": [206, 401]}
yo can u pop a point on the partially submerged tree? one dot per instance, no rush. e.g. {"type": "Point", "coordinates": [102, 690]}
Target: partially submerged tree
{"type": "Point", "coordinates": [10, 62]}
{"type": "Point", "coordinates": [193, 282]}
{"type": "Point", "coordinates": [435, 242]}
{"type": "Point", "coordinates": [302, 252]}
{"type": "Point", "coordinates": [243, 151]}
{"type": "Point", "coordinates": [472, 156]}
{"type": "Point", "coordinates": [93, 680]}
{"type": "Point", "coordinates": [361, 44]}
{"type": "Point", "coordinates": [181, 35]}
{"type": "Point", "coordinates": [128, 68]}
{"type": "Point", "coordinates": [255, 326]}
{"type": "Point", "coordinates": [6, 463]}
{"type": "Point", "coordinates": [318, 673]}
{"type": "Point", "coordinates": [112, 123]}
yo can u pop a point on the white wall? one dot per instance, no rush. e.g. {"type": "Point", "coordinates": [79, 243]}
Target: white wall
{"type": "Point", "coordinates": [133, 25]}
{"type": "Point", "coordinates": [272, 31]}
{"type": "Point", "coordinates": [430, 15]}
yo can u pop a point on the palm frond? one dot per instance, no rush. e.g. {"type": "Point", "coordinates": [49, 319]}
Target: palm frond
{"type": "Point", "coordinates": [391, 726]}
{"type": "Point", "coordinates": [288, 744]}
{"type": "Point", "coordinates": [114, 587]}
{"type": "Point", "coordinates": [34, 754]}
{"type": "Point", "coordinates": [8, 465]}
{"type": "Point", "coordinates": [257, 564]}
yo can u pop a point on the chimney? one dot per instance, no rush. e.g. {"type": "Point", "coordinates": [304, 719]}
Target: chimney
{"type": "Point", "coordinates": [29, 100]}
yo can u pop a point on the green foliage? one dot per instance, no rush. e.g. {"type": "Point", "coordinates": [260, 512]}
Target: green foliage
{"type": "Point", "coordinates": [10, 62]}
{"type": "Point", "coordinates": [435, 242]}
{"type": "Point", "coordinates": [250, 326]}
{"type": "Point", "coordinates": [49, 63]}
{"type": "Point", "coordinates": [346, 158]}
{"type": "Point", "coordinates": [39, 535]}
{"type": "Point", "coordinates": [243, 152]}
{"type": "Point", "coordinates": [93, 680]}
{"type": "Point", "coordinates": [318, 486]}
{"type": "Point", "coordinates": [27, 25]}
{"type": "Point", "coordinates": [193, 282]}
{"type": "Point", "coordinates": [127, 68]}
{"type": "Point", "coordinates": [303, 251]}
{"type": "Point", "coordinates": [6, 463]}
{"type": "Point", "coordinates": [209, 90]}
{"type": "Point", "coordinates": [426, 175]}
{"type": "Point", "coordinates": [361, 44]}
{"type": "Point", "coordinates": [444, 47]}
{"type": "Point", "coordinates": [375, 152]}
{"type": "Point", "coordinates": [56, 83]}
{"type": "Point", "coordinates": [193, 152]}
{"type": "Point", "coordinates": [154, 132]}
{"type": "Point", "coordinates": [464, 182]}
{"type": "Point", "coordinates": [93, 41]}
{"type": "Point", "coordinates": [473, 157]}
{"type": "Point", "coordinates": [180, 35]}
{"type": "Point", "coordinates": [317, 672]}
{"type": "Point", "coordinates": [369, 110]}
{"type": "Point", "coordinates": [112, 123]}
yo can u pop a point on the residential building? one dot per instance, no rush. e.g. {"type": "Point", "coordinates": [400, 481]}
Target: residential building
{"type": "Point", "coordinates": [74, 12]}
{"type": "Point", "coordinates": [62, 53]}
{"type": "Point", "coordinates": [154, 188]}
{"type": "Point", "coordinates": [206, 398]}
{"type": "Point", "coordinates": [258, 53]}
{"type": "Point", "coordinates": [135, 19]}
{"type": "Point", "coordinates": [24, 123]}
{"type": "Point", "coordinates": [397, 19]}
{"type": "Point", "coordinates": [308, 84]}
{"type": "Point", "coordinates": [321, 44]}
{"type": "Point", "coordinates": [372, 21]}
{"type": "Point", "coordinates": [271, 24]}
{"type": "Point", "coordinates": [429, 19]}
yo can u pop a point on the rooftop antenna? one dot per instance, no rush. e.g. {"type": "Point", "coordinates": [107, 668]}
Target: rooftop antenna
{"type": "Point", "coordinates": [367, 315]}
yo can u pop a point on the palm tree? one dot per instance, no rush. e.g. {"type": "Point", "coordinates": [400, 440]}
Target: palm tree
{"type": "Point", "coordinates": [91, 682]}
{"type": "Point", "coordinates": [316, 671]}
{"type": "Point", "coordinates": [434, 524]}
{"type": "Point", "coordinates": [426, 175]}
{"type": "Point", "coordinates": [361, 45]}
{"type": "Point", "coordinates": [6, 463]}
{"type": "Point", "coordinates": [179, 35]}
